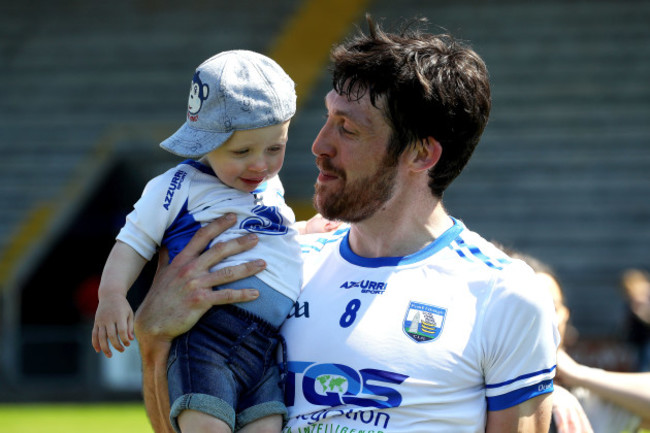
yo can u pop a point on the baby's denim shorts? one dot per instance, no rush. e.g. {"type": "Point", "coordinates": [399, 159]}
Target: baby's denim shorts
{"type": "Point", "coordinates": [225, 366]}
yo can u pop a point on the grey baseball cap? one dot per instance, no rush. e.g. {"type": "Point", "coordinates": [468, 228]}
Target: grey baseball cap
{"type": "Point", "coordinates": [232, 91]}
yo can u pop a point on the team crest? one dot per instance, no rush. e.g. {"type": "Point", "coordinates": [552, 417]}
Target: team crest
{"type": "Point", "coordinates": [423, 323]}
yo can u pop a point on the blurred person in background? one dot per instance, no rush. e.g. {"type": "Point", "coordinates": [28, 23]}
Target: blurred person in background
{"type": "Point", "coordinates": [636, 289]}
{"type": "Point", "coordinates": [589, 399]}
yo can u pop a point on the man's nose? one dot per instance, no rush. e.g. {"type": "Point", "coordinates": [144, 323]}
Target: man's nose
{"type": "Point", "coordinates": [323, 144]}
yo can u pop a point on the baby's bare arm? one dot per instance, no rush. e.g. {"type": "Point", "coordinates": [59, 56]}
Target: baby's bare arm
{"type": "Point", "coordinates": [114, 316]}
{"type": "Point", "coordinates": [316, 224]}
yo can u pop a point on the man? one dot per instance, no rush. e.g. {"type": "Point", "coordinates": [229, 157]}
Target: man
{"type": "Point", "coordinates": [408, 321]}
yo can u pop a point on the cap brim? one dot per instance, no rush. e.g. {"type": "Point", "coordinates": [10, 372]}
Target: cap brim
{"type": "Point", "coordinates": [194, 143]}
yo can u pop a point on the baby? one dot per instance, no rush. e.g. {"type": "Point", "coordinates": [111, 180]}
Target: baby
{"type": "Point", "coordinates": [222, 374]}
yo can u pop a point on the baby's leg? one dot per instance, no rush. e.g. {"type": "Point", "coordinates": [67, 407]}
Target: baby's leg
{"type": "Point", "coordinates": [268, 424]}
{"type": "Point", "coordinates": [192, 421]}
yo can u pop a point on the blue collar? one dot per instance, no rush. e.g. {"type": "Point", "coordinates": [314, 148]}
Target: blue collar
{"type": "Point", "coordinates": [439, 243]}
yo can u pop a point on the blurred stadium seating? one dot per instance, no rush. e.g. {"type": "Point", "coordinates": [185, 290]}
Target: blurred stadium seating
{"type": "Point", "coordinates": [88, 89]}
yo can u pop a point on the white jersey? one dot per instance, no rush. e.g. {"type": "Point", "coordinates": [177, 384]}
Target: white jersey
{"type": "Point", "coordinates": [423, 343]}
{"type": "Point", "coordinates": [177, 203]}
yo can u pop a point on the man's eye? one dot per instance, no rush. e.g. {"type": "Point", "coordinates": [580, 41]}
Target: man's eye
{"type": "Point", "coordinates": [240, 152]}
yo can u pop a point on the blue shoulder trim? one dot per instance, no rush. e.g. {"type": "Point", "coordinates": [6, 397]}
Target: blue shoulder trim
{"type": "Point", "coordinates": [471, 252]}
{"type": "Point", "coordinates": [443, 241]}
{"type": "Point", "coordinates": [319, 243]}
{"type": "Point", "coordinates": [518, 396]}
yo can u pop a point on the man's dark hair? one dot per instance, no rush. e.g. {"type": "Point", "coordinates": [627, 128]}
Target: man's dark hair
{"type": "Point", "coordinates": [430, 85]}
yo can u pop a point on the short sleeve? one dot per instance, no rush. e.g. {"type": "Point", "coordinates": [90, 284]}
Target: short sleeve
{"type": "Point", "coordinates": [520, 340]}
{"type": "Point", "coordinates": [153, 212]}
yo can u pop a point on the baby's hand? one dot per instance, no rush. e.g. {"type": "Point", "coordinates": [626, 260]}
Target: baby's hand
{"type": "Point", "coordinates": [114, 324]}
{"type": "Point", "coordinates": [316, 224]}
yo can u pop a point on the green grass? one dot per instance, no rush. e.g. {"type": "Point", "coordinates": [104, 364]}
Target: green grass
{"type": "Point", "coordinates": [74, 418]}
{"type": "Point", "coordinates": [77, 418]}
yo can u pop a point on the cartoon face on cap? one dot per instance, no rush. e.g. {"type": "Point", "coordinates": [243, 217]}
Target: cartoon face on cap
{"type": "Point", "coordinates": [198, 93]}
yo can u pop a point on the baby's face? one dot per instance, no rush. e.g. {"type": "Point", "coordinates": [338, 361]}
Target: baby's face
{"type": "Point", "coordinates": [250, 157]}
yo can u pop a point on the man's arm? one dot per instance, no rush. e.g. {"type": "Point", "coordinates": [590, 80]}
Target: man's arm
{"type": "Point", "coordinates": [531, 416]}
{"type": "Point", "coordinates": [154, 384]}
{"type": "Point", "coordinates": [180, 294]}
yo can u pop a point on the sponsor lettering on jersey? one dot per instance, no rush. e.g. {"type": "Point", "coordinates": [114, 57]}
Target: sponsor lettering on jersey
{"type": "Point", "coordinates": [299, 310]}
{"type": "Point", "coordinates": [423, 322]}
{"type": "Point", "coordinates": [337, 384]}
{"type": "Point", "coordinates": [367, 286]}
{"type": "Point", "coordinates": [363, 393]}
{"type": "Point", "coordinates": [175, 184]}
{"type": "Point", "coordinates": [369, 418]}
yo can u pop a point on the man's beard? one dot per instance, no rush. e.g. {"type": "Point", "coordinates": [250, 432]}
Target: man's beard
{"type": "Point", "coordinates": [357, 200]}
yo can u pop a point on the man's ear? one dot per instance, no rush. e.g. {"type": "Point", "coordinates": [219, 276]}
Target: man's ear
{"type": "Point", "coordinates": [425, 154]}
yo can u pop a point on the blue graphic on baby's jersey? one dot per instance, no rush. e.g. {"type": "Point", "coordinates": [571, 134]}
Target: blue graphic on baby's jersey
{"type": "Point", "coordinates": [423, 322]}
{"type": "Point", "coordinates": [268, 221]}
{"type": "Point", "coordinates": [337, 384]}
{"type": "Point", "coordinates": [180, 231]}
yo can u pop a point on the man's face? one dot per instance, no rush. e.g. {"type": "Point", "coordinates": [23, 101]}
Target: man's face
{"type": "Point", "coordinates": [356, 175]}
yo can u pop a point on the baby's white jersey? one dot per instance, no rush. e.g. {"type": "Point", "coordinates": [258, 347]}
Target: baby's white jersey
{"type": "Point", "coordinates": [177, 203]}
{"type": "Point", "coordinates": [423, 343]}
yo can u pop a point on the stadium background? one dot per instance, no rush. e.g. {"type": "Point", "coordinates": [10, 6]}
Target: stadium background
{"type": "Point", "coordinates": [88, 89]}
